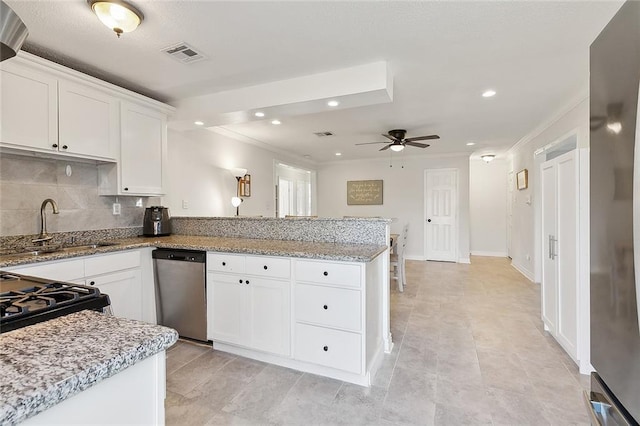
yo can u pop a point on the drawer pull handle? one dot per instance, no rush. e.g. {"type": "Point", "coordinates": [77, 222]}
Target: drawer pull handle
{"type": "Point", "coordinates": [325, 273]}
{"type": "Point", "coordinates": [92, 283]}
{"type": "Point", "coordinates": [265, 267]}
{"type": "Point", "coordinates": [224, 263]}
{"type": "Point", "coordinates": [247, 281]}
{"type": "Point", "coordinates": [240, 281]}
{"type": "Point", "coordinates": [326, 348]}
{"type": "Point", "coordinates": [126, 189]}
{"type": "Point", "coordinates": [325, 307]}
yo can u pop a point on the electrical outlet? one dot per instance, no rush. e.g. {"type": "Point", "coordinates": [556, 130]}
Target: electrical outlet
{"type": "Point", "coordinates": [116, 208]}
{"type": "Point", "coordinates": [527, 257]}
{"type": "Point", "coordinates": [185, 204]}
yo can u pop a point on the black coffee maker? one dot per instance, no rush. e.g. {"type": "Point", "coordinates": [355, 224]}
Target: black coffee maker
{"type": "Point", "coordinates": [156, 222]}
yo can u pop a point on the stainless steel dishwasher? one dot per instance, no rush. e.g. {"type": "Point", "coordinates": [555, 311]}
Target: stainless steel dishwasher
{"type": "Point", "coordinates": [181, 296]}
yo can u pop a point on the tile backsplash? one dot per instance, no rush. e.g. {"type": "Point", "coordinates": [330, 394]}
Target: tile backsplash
{"type": "Point", "coordinates": [25, 182]}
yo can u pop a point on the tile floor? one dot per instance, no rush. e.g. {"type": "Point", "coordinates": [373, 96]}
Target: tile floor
{"type": "Point", "coordinates": [469, 349]}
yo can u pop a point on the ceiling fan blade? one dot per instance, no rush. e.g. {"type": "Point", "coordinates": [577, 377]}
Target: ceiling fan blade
{"type": "Point", "coordinates": [422, 138]}
{"type": "Point", "coordinates": [417, 144]}
{"type": "Point", "coordinates": [369, 143]}
{"type": "Point", "coordinates": [391, 138]}
{"type": "Point", "coordinates": [384, 148]}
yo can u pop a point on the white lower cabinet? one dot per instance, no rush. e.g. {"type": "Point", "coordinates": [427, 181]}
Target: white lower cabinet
{"type": "Point", "coordinates": [312, 315]}
{"type": "Point", "coordinates": [124, 290]}
{"type": "Point", "coordinates": [249, 311]}
{"type": "Point", "coordinates": [117, 275]}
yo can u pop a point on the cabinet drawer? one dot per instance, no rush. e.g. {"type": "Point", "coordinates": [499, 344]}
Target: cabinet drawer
{"type": "Point", "coordinates": [106, 263]}
{"type": "Point", "coordinates": [223, 262]}
{"type": "Point", "coordinates": [337, 349]}
{"type": "Point", "coordinates": [274, 267]}
{"type": "Point", "coordinates": [333, 307]}
{"type": "Point", "coordinates": [328, 273]}
{"type": "Point", "coordinates": [68, 270]}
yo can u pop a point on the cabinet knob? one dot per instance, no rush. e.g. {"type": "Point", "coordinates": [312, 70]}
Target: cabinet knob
{"type": "Point", "coordinates": [240, 281]}
{"type": "Point", "coordinates": [325, 273]}
{"type": "Point", "coordinates": [55, 145]}
{"type": "Point", "coordinates": [126, 189]}
{"type": "Point", "coordinates": [265, 267]}
{"type": "Point", "coordinates": [325, 307]}
{"type": "Point", "coordinates": [247, 282]}
{"type": "Point", "coordinates": [326, 348]}
{"type": "Point", "coordinates": [224, 263]}
{"type": "Point", "coordinates": [92, 283]}
{"type": "Point", "coordinates": [64, 147]}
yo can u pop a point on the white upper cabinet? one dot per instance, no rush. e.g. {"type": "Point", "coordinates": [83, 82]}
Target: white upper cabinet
{"type": "Point", "coordinates": [143, 150]}
{"type": "Point", "coordinates": [88, 121]}
{"type": "Point", "coordinates": [28, 108]}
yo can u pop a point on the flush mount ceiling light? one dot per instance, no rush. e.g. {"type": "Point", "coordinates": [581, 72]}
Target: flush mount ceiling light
{"type": "Point", "coordinates": [488, 158]}
{"type": "Point", "coordinates": [198, 123]}
{"type": "Point", "coordinates": [120, 16]}
{"type": "Point", "coordinates": [259, 114]}
{"type": "Point", "coordinates": [488, 93]}
{"type": "Point", "coordinates": [333, 103]}
{"type": "Point", "coordinates": [397, 147]}
{"type": "Point", "coordinates": [276, 122]}
{"type": "Point", "coordinates": [471, 143]}
{"type": "Point", "coordinates": [338, 154]}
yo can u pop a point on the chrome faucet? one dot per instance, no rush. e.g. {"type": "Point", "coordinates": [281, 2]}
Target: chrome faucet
{"type": "Point", "coordinates": [43, 236]}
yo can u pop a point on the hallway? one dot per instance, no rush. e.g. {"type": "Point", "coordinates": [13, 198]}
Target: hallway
{"type": "Point", "coordinates": [469, 349]}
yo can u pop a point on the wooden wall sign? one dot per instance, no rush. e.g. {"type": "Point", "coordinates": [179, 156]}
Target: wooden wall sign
{"type": "Point", "coordinates": [364, 192]}
{"type": "Point", "coordinates": [522, 179]}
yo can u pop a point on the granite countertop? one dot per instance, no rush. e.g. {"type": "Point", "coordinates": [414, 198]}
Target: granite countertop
{"type": "Point", "coordinates": [39, 372]}
{"type": "Point", "coordinates": [301, 249]}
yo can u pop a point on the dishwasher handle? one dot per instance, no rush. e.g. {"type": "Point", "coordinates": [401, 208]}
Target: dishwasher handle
{"type": "Point", "coordinates": [180, 255]}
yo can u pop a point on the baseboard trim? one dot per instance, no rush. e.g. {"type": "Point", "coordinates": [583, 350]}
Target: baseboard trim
{"type": "Point", "coordinates": [489, 253]}
{"type": "Point", "coordinates": [414, 257]}
{"type": "Point", "coordinates": [527, 274]}
{"type": "Point", "coordinates": [466, 260]}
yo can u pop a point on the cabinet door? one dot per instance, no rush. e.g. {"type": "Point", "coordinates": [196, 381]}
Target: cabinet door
{"type": "Point", "coordinates": [124, 290]}
{"type": "Point", "coordinates": [28, 108]}
{"type": "Point", "coordinates": [88, 121]}
{"type": "Point", "coordinates": [225, 309]}
{"type": "Point", "coordinates": [269, 314]}
{"type": "Point", "coordinates": [143, 150]}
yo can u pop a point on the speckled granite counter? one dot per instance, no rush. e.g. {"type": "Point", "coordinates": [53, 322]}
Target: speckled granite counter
{"type": "Point", "coordinates": [39, 371]}
{"type": "Point", "coordinates": [302, 249]}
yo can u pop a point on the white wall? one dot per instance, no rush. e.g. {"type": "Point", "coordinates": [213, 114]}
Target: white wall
{"type": "Point", "coordinates": [488, 207]}
{"type": "Point", "coordinates": [403, 194]}
{"type": "Point", "coordinates": [524, 242]}
{"type": "Point", "coordinates": [198, 173]}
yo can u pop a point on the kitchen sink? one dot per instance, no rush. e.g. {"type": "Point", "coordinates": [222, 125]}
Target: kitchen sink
{"type": "Point", "coordinates": [40, 250]}
{"type": "Point", "coordinates": [89, 246]}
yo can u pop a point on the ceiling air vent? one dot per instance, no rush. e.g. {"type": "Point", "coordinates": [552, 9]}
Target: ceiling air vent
{"type": "Point", "coordinates": [322, 134]}
{"type": "Point", "coordinates": [184, 53]}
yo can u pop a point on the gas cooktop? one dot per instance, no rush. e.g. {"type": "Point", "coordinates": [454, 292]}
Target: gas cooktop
{"type": "Point", "coordinates": [26, 300]}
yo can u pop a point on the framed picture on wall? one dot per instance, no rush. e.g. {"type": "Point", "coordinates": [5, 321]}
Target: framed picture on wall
{"type": "Point", "coordinates": [522, 179]}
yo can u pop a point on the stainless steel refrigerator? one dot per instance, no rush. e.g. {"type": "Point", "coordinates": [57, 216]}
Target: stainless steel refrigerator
{"type": "Point", "coordinates": [615, 219]}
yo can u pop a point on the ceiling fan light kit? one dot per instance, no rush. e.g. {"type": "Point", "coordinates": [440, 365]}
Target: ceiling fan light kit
{"type": "Point", "coordinates": [398, 140]}
{"type": "Point", "coordinates": [118, 15]}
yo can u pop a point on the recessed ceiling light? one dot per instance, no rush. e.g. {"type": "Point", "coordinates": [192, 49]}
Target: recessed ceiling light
{"type": "Point", "coordinates": [471, 143]}
{"type": "Point", "coordinates": [333, 103]}
{"type": "Point", "coordinates": [338, 154]}
{"type": "Point", "coordinates": [198, 123]}
{"type": "Point", "coordinates": [259, 114]}
{"type": "Point", "coordinates": [488, 93]}
{"type": "Point", "coordinates": [276, 122]}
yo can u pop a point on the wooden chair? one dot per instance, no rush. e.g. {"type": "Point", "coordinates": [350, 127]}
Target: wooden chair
{"type": "Point", "coordinates": [397, 259]}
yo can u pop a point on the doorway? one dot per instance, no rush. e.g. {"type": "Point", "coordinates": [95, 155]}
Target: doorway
{"type": "Point", "coordinates": [441, 215]}
{"type": "Point", "coordinates": [294, 190]}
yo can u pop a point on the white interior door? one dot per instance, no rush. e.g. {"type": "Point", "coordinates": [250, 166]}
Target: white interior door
{"type": "Point", "coordinates": [441, 215]}
{"type": "Point", "coordinates": [567, 251]}
{"type": "Point", "coordinates": [510, 201]}
{"type": "Point", "coordinates": [549, 263]}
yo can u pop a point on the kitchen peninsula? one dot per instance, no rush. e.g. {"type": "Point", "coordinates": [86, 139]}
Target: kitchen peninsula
{"type": "Point", "coordinates": [325, 276]}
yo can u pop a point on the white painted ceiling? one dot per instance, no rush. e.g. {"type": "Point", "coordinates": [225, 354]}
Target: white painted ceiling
{"type": "Point", "coordinates": [442, 55]}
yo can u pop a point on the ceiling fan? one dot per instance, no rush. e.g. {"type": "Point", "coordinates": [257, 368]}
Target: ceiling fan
{"type": "Point", "coordinates": [398, 141]}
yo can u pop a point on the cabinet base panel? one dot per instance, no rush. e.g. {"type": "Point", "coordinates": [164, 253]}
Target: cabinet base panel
{"type": "Point", "coordinates": [345, 376]}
